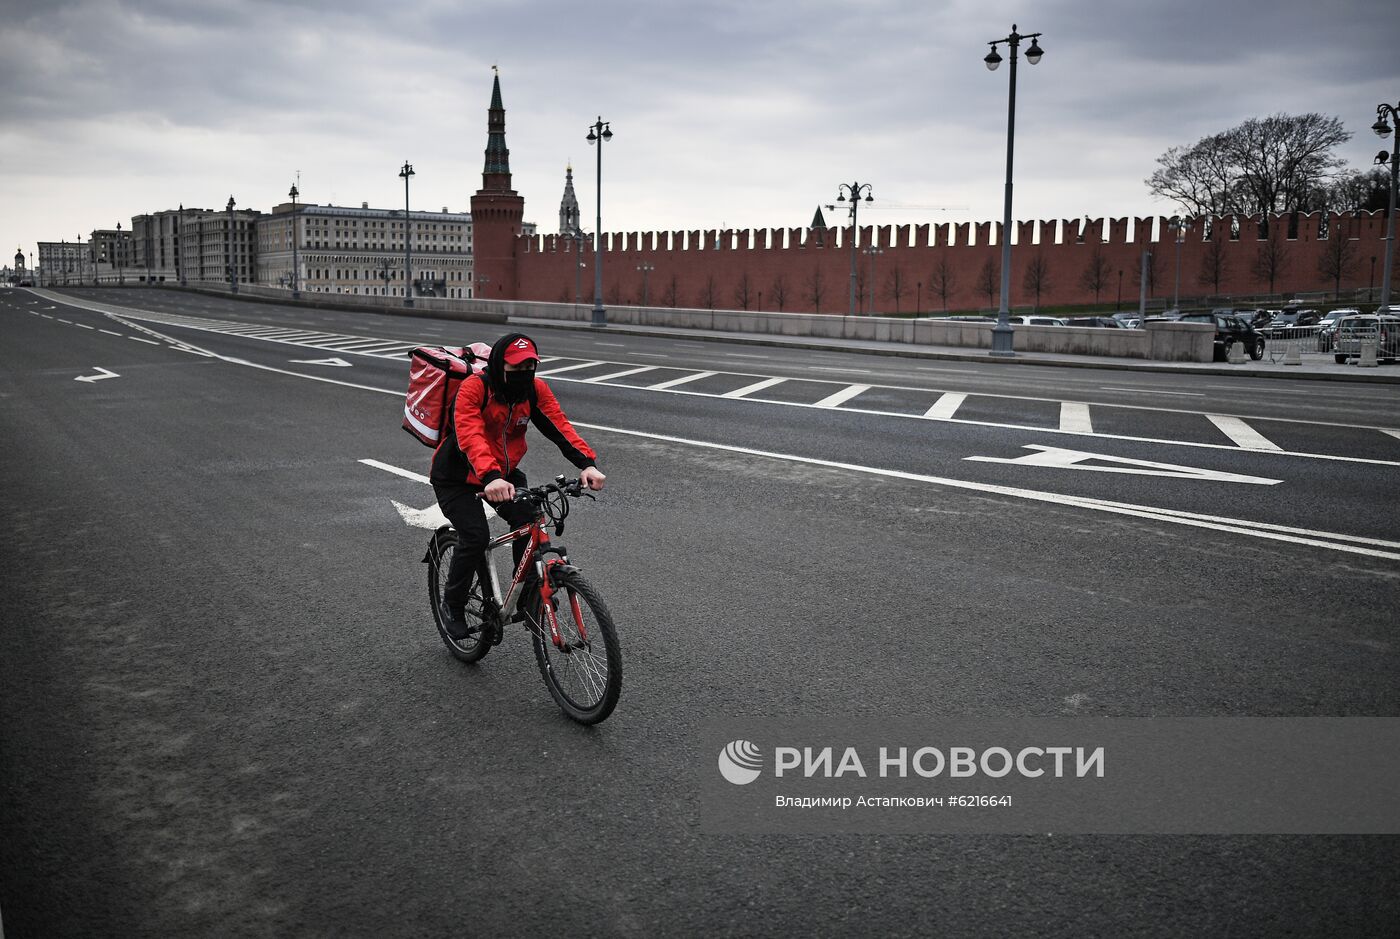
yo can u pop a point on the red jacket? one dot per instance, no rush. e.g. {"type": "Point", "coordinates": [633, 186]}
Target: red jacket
{"type": "Point", "coordinates": [487, 442]}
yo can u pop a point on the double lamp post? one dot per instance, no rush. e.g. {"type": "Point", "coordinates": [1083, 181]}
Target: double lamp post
{"type": "Point", "coordinates": [1002, 332]}
{"type": "Point", "coordinates": [599, 132]}
{"type": "Point", "coordinates": [1386, 113]}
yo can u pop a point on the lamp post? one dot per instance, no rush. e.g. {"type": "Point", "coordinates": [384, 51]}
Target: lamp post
{"type": "Point", "coordinates": [918, 296]}
{"type": "Point", "coordinates": [1382, 129]}
{"type": "Point", "coordinates": [646, 269]}
{"type": "Point", "coordinates": [296, 258]}
{"type": "Point", "coordinates": [1119, 305]}
{"type": "Point", "coordinates": [385, 274]}
{"type": "Point", "coordinates": [121, 274]}
{"type": "Point", "coordinates": [873, 252]}
{"type": "Point", "coordinates": [1180, 225]}
{"type": "Point", "coordinates": [854, 190]}
{"type": "Point", "coordinates": [599, 132]}
{"type": "Point", "coordinates": [405, 173]}
{"type": "Point", "coordinates": [180, 244]}
{"type": "Point", "coordinates": [81, 265]}
{"type": "Point", "coordinates": [232, 267]}
{"type": "Point", "coordinates": [1002, 332]}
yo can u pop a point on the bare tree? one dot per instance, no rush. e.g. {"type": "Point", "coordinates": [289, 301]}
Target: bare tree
{"type": "Point", "coordinates": [1338, 259]}
{"type": "Point", "coordinates": [616, 294]}
{"type": "Point", "coordinates": [896, 286]}
{"type": "Point", "coordinates": [1271, 259]}
{"type": "Point", "coordinates": [1095, 276]}
{"type": "Point", "coordinates": [989, 279]}
{"type": "Point", "coordinates": [779, 291]}
{"type": "Point", "coordinates": [709, 292]}
{"type": "Point", "coordinates": [1037, 277]}
{"type": "Point", "coordinates": [1215, 264]}
{"type": "Point", "coordinates": [1281, 163]}
{"type": "Point", "coordinates": [816, 288]}
{"type": "Point", "coordinates": [1354, 191]}
{"type": "Point", "coordinates": [942, 280]}
{"type": "Point", "coordinates": [672, 294]}
{"type": "Point", "coordinates": [743, 291]}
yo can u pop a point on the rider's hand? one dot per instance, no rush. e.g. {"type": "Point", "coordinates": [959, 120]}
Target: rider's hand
{"type": "Point", "coordinates": [591, 478]}
{"type": "Point", "coordinates": [499, 490]}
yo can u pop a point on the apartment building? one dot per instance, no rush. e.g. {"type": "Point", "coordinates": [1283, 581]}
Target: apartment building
{"type": "Point", "coordinates": [345, 250]}
{"type": "Point", "coordinates": [215, 242]}
{"type": "Point", "coordinates": [64, 263]}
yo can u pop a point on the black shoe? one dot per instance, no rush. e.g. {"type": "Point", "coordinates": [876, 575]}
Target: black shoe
{"type": "Point", "coordinates": [454, 623]}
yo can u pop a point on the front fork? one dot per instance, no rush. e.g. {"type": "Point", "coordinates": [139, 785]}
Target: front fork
{"type": "Point", "coordinates": [551, 563]}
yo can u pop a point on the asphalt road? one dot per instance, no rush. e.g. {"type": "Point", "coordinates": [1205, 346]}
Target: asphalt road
{"type": "Point", "coordinates": [224, 709]}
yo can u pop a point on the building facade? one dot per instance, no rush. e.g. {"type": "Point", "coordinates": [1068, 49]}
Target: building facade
{"type": "Point", "coordinates": [360, 251]}
{"type": "Point", "coordinates": [155, 242]}
{"type": "Point", "coordinates": [64, 264]}
{"type": "Point", "coordinates": [110, 255]}
{"type": "Point", "coordinates": [214, 243]}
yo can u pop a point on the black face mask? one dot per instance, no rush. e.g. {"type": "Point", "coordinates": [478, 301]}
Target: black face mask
{"type": "Point", "coordinates": [517, 386]}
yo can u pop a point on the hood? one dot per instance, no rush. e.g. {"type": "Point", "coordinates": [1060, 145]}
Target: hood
{"type": "Point", "coordinates": [496, 363]}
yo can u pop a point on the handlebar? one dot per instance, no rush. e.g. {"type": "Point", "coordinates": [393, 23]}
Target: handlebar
{"type": "Point", "coordinates": [551, 500]}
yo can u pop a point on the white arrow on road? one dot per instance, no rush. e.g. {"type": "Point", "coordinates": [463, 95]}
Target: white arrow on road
{"type": "Point", "coordinates": [430, 518]}
{"type": "Point", "coordinates": [104, 374]}
{"type": "Point", "coordinates": [1057, 458]}
{"type": "Point", "coordinates": [336, 362]}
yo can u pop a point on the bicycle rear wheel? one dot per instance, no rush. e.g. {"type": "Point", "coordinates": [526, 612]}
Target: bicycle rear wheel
{"type": "Point", "coordinates": [478, 643]}
{"type": "Point", "coordinates": [585, 676]}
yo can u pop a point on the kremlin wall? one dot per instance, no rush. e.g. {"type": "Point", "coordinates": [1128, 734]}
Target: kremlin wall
{"type": "Point", "coordinates": [920, 268]}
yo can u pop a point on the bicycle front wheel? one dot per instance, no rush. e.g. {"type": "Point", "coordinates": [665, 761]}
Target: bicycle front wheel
{"type": "Point", "coordinates": [584, 674]}
{"type": "Point", "coordinates": [478, 643]}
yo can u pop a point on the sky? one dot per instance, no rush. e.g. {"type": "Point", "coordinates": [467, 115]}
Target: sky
{"type": "Point", "coordinates": [725, 113]}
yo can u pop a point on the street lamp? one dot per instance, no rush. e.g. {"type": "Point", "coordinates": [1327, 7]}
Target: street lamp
{"type": "Point", "coordinates": [646, 270]}
{"type": "Point", "coordinates": [385, 274]}
{"type": "Point", "coordinates": [853, 190]}
{"type": "Point", "coordinates": [232, 265]}
{"type": "Point", "coordinates": [121, 274]}
{"type": "Point", "coordinates": [296, 258]}
{"type": "Point", "coordinates": [1002, 332]}
{"type": "Point", "coordinates": [82, 266]}
{"type": "Point", "coordinates": [1382, 129]}
{"type": "Point", "coordinates": [405, 173]}
{"type": "Point", "coordinates": [872, 251]}
{"type": "Point", "coordinates": [1179, 224]}
{"type": "Point", "coordinates": [599, 132]}
{"type": "Point", "coordinates": [180, 244]}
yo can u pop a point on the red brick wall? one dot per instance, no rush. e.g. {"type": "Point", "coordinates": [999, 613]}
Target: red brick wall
{"type": "Point", "coordinates": [804, 270]}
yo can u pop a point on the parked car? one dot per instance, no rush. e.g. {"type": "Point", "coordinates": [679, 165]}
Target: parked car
{"type": "Point", "coordinates": [971, 319]}
{"type": "Point", "coordinates": [1098, 322]}
{"type": "Point", "coordinates": [1352, 331]}
{"type": "Point", "coordinates": [1230, 329]}
{"type": "Point", "coordinates": [1133, 321]}
{"type": "Point", "coordinates": [1291, 320]}
{"type": "Point", "coordinates": [1036, 320]}
{"type": "Point", "coordinates": [1327, 327]}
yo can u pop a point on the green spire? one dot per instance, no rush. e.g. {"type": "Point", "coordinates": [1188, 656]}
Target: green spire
{"type": "Point", "coordinates": [497, 155]}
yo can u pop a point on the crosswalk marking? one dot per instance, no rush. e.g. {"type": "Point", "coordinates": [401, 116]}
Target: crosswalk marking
{"type": "Point", "coordinates": [1241, 433]}
{"type": "Point", "coordinates": [946, 406]}
{"type": "Point", "coordinates": [693, 376]}
{"type": "Point", "coordinates": [845, 394]}
{"type": "Point", "coordinates": [622, 374]}
{"type": "Point", "coordinates": [564, 368]}
{"type": "Point", "coordinates": [750, 389]}
{"type": "Point", "coordinates": [1074, 417]}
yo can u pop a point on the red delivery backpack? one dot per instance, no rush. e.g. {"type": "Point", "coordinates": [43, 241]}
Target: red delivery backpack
{"type": "Point", "coordinates": [434, 374]}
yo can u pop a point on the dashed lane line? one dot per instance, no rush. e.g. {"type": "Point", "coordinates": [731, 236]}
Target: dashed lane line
{"type": "Point", "coordinates": [946, 406]}
{"type": "Point", "coordinates": [1241, 433]}
{"type": "Point", "coordinates": [1074, 417]}
{"type": "Point", "coordinates": [840, 397]}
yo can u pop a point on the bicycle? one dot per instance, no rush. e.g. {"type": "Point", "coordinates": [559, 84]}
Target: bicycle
{"type": "Point", "coordinates": [572, 631]}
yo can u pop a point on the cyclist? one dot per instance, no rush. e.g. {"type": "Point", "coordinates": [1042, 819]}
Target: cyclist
{"type": "Point", "coordinates": [480, 452]}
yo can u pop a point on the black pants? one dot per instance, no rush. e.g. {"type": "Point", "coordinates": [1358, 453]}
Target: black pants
{"type": "Point", "coordinates": [467, 514]}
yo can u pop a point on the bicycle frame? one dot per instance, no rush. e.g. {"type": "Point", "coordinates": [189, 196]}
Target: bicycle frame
{"type": "Point", "coordinates": [539, 554]}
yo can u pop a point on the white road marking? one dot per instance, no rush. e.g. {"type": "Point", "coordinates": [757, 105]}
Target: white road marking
{"type": "Point", "coordinates": [946, 406]}
{"type": "Point", "coordinates": [102, 373]}
{"type": "Point", "coordinates": [1393, 433]}
{"type": "Point", "coordinates": [109, 332]}
{"type": "Point", "coordinates": [651, 355]}
{"type": "Point", "coordinates": [430, 518]}
{"type": "Point", "coordinates": [390, 468]}
{"type": "Point", "coordinates": [84, 325]}
{"type": "Point", "coordinates": [845, 394]}
{"type": "Point", "coordinates": [148, 342]}
{"type": "Point", "coordinates": [1241, 433]}
{"type": "Point", "coordinates": [1144, 391]}
{"type": "Point", "coordinates": [1057, 458]}
{"type": "Point", "coordinates": [62, 320]}
{"type": "Point", "coordinates": [334, 362]}
{"type": "Point", "coordinates": [566, 368]}
{"type": "Point", "coordinates": [696, 376]}
{"type": "Point", "coordinates": [750, 389]}
{"type": "Point", "coordinates": [830, 368]}
{"type": "Point", "coordinates": [744, 355]}
{"type": "Point", "coordinates": [614, 345]}
{"type": "Point", "coordinates": [622, 374]}
{"type": "Point", "coordinates": [1074, 417]}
